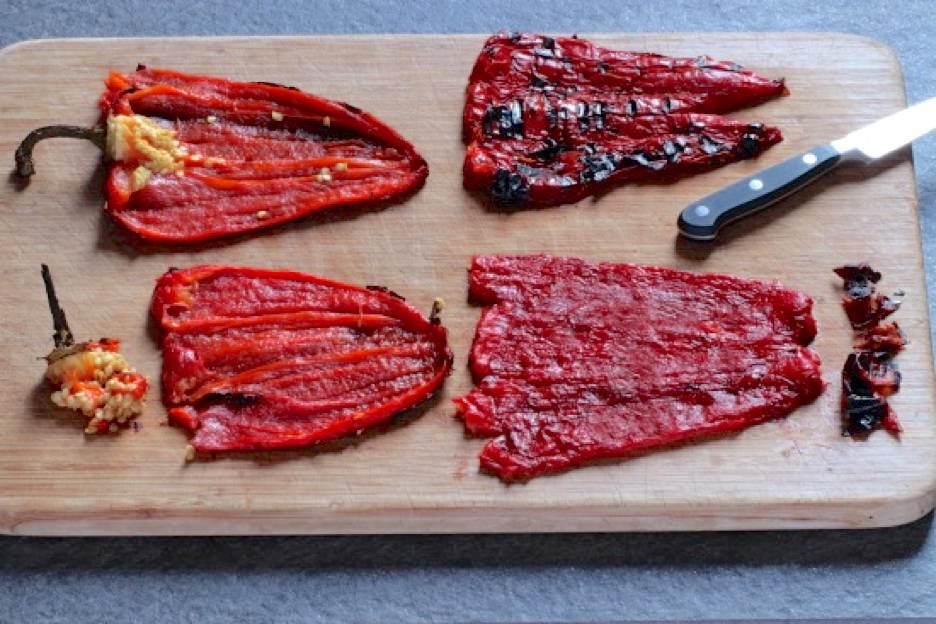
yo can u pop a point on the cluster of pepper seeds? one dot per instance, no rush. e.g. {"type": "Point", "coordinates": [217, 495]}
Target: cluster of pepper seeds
{"type": "Point", "coordinates": [92, 377]}
{"type": "Point", "coordinates": [98, 381]}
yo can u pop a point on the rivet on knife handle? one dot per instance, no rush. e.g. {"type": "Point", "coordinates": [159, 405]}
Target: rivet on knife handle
{"type": "Point", "coordinates": [703, 218]}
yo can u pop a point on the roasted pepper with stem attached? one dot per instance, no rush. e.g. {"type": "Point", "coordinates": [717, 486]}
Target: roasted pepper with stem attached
{"type": "Point", "coordinates": [192, 157]}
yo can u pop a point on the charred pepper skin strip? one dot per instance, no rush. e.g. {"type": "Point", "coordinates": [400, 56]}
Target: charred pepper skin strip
{"type": "Point", "coordinates": [258, 359]}
{"type": "Point", "coordinates": [552, 120]}
{"type": "Point", "coordinates": [193, 158]}
{"type": "Point", "coordinates": [564, 66]}
{"type": "Point", "coordinates": [659, 147]}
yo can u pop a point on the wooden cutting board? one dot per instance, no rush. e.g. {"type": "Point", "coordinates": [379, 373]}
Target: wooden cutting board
{"type": "Point", "coordinates": [422, 475]}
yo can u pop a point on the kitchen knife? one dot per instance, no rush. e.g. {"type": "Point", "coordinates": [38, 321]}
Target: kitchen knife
{"type": "Point", "coordinates": [703, 218]}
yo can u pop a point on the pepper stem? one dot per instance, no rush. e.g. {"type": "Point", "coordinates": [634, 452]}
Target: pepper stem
{"type": "Point", "coordinates": [437, 306]}
{"type": "Point", "coordinates": [24, 161]}
{"type": "Point", "coordinates": [63, 336]}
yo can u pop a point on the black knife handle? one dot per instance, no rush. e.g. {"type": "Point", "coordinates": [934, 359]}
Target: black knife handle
{"type": "Point", "coordinates": [703, 219]}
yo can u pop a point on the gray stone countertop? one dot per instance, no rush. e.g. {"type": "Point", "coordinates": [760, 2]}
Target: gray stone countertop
{"type": "Point", "coordinates": [487, 578]}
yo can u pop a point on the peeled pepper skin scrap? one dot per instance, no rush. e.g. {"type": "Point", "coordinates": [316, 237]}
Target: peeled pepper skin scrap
{"type": "Point", "coordinates": [257, 359]}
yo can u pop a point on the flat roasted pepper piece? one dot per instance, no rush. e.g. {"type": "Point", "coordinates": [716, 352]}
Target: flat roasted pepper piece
{"type": "Point", "coordinates": [261, 359]}
{"type": "Point", "coordinates": [577, 361]}
{"type": "Point", "coordinates": [192, 158]}
{"type": "Point", "coordinates": [552, 120]}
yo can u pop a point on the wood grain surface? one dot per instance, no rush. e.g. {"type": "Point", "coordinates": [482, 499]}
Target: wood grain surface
{"type": "Point", "coordinates": [421, 474]}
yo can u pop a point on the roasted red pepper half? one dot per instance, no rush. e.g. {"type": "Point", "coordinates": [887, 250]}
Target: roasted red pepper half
{"type": "Point", "coordinates": [262, 359]}
{"type": "Point", "coordinates": [194, 158]}
{"type": "Point", "coordinates": [552, 120]}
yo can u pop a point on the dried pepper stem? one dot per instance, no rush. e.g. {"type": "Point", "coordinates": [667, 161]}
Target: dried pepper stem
{"type": "Point", "coordinates": [63, 335]}
{"type": "Point", "coordinates": [24, 160]}
{"type": "Point", "coordinates": [435, 315]}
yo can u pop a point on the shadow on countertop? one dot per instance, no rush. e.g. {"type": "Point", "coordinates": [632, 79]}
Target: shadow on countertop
{"type": "Point", "coordinates": [670, 550]}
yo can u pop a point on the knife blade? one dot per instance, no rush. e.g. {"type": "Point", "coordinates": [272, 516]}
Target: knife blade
{"type": "Point", "coordinates": [702, 219]}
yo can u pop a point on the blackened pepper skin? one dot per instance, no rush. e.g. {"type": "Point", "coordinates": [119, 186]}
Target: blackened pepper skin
{"type": "Point", "coordinates": [864, 307]}
{"type": "Point", "coordinates": [570, 119]}
{"type": "Point", "coordinates": [870, 374]}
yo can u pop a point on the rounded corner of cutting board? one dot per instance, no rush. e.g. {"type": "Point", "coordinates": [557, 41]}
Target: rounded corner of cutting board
{"type": "Point", "coordinates": [883, 49]}
{"type": "Point", "coordinates": [910, 503]}
{"type": "Point", "coordinates": [918, 501]}
{"type": "Point", "coordinates": [866, 42]}
{"type": "Point", "coordinates": [17, 46]}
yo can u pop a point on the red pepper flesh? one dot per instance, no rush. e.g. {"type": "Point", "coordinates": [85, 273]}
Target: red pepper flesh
{"type": "Point", "coordinates": [256, 154]}
{"type": "Point", "coordinates": [577, 361]}
{"type": "Point", "coordinates": [261, 359]}
{"type": "Point", "coordinates": [552, 120]}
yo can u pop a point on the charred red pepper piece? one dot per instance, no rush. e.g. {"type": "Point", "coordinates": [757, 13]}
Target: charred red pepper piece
{"type": "Point", "coordinates": [196, 157]}
{"type": "Point", "coordinates": [261, 359]}
{"type": "Point", "coordinates": [863, 306]}
{"type": "Point", "coordinates": [552, 120]}
{"type": "Point", "coordinates": [868, 378]}
{"type": "Point", "coordinates": [887, 337]}
{"type": "Point", "coordinates": [577, 361]}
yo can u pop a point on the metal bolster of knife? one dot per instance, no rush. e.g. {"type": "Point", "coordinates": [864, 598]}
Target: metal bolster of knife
{"type": "Point", "coordinates": [703, 218]}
